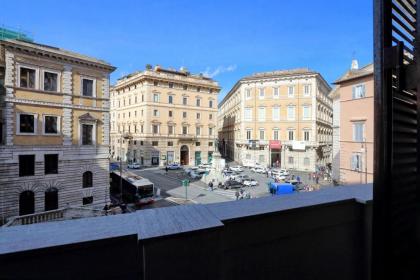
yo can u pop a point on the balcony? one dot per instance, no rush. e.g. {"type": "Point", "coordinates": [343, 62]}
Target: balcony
{"type": "Point", "coordinates": [322, 235]}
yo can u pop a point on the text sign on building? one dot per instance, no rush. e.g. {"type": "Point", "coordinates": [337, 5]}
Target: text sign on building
{"type": "Point", "coordinates": [298, 145]}
{"type": "Point", "coordinates": [275, 144]}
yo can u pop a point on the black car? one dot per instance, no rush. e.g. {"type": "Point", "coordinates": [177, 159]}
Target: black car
{"type": "Point", "coordinates": [232, 184]}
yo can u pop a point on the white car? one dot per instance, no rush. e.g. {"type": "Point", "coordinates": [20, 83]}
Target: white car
{"type": "Point", "coordinates": [250, 183]}
{"type": "Point", "coordinates": [259, 170]}
{"type": "Point", "coordinates": [133, 165]}
{"type": "Point", "coordinates": [189, 170]}
{"type": "Point", "coordinates": [236, 168]}
{"type": "Point", "coordinates": [280, 177]}
{"type": "Point", "coordinates": [284, 172]}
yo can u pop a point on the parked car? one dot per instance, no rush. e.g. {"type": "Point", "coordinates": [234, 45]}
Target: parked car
{"type": "Point", "coordinates": [284, 172]}
{"type": "Point", "coordinates": [205, 166]}
{"type": "Point", "coordinates": [280, 177]}
{"type": "Point", "coordinates": [188, 170]}
{"type": "Point", "coordinates": [242, 178]}
{"type": "Point", "coordinates": [230, 184]}
{"type": "Point", "coordinates": [133, 165]}
{"type": "Point", "coordinates": [250, 182]}
{"type": "Point", "coordinates": [228, 173]}
{"type": "Point", "coordinates": [236, 169]}
{"type": "Point", "coordinates": [259, 170]}
{"type": "Point", "coordinates": [174, 166]}
{"type": "Point", "coordinates": [197, 174]}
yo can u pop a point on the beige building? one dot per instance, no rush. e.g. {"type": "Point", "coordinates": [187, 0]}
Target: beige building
{"type": "Point", "coordinates": [170, 114]}
{"type": "Point", "coordinates": [353, 133]}
{"type": "Point", "coordinates": [54, 108]}
{"type": "Point", "coordinates": [280, 118]}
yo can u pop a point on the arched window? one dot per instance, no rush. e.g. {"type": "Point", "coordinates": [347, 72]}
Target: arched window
{"type": "Point", "coordinates": [51, 199]}
{"type": "Point", "coordinates": [26, 203]}
{"type": "Point", "coordinates": [87, 179]}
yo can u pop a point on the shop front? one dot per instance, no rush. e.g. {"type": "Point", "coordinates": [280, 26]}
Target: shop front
{"type": "Point", "coordinates": [275, 153]}
{"type": "Point", "coordinates": [155, 157]}
{"type": "Point", "coordinates": [197, 158]}
{"type": "Point", "coordinates": [170, 155]}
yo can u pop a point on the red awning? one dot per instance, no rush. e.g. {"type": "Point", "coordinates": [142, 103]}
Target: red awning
{"type": "Point", "coordinates": [275, 144]}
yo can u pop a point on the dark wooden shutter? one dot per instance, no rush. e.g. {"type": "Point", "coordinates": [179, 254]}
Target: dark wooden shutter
{"type": "Point", "coordinates": [395, 210]}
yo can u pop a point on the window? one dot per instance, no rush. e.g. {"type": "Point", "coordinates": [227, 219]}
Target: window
{"type": "Point", "coordinates": [142, 113]}
{"type": "Point", "coordinates": [276, 92]}
{"type": "Point", "coordinates": [170, 129]}
{"type": "Point", "coordinates": [171, 85]}
{"type": "Point", "coordinates": [142, 98]}
{"type": "Point", "coordinates": [156, 113]}
{"type": "Point", "coordinates": [27, 77]}
{"type": "Point", "coordinates": [291, 135]}
{"type": "Point", "coordinates": [51, 199]}
{"type": "Point", "coordinates": [358, 91]}
{"type": "Point", "coordinates": [170, 114]}
{"type": "Point", "coordinates": [358, 131]}
{"type": "Point", "coordinates": [184, 114]}
{"type": "Point", "coordinates": [198, 116]}
{"type": "Point", "coordinates": [197, 131]}
{"type": "Point", "coordinates": [26, 165]}
{"type": "Point", "coordinates": [356, 162]}
{"type": "Point", "coordinates": [141, 143]}
{"type": "Point", "coordinates": [155, 143]}
{"type": "Point", "coordinates": [210, 116]}
{"type": "Point", "coordinates": [87, 179]}
{"type": "Point", "coordinates": [198, 89]}
{"type": "Point", "coordinates": [262, 134]}
{"type": "Point", "coordinates": [306, 161]}
{"type": "Point", "coordinates": [211, 103]}
{"type": "Point", "coordinates": [291, 159]}
{"type": "Point", "coordinates": [155, 83]}
{"type": "Point", "coordinates": [155, 129]}
{"type": "Point", "coordinates": [261, 159]}
{"type": "Point", "coordinates": [291, 112]}
{"type": "Point", "coordinates": [155, 97]}
{"type": "Point", "coordinates": [247, 93]}
{"type": "Point", "coordinates": [275, 134]}
{"type": "Point", "coordinates": [197, 144]}
{"type": "Point", "coordinates": [210, 144]}
{"type": "Point", "coordinates": [170, 144]}
{"type": "Point", "coordinates": [87, 200]}
{"type": "Point", "coordinates": [306, 135]}
{"type": "Point", "coordinates": [141, 129]}
{"type": "Point", "coordinates": [184, 101]}
{"type": "Point", "coordinates": [248, 134]}
{"type": "Point", "coordinates": [198, 102]}
{"type": "Point", "coordinates": [184, 130]}
{"type": "Point", "coordinates": [276, 113]}
{"type": "Point", "coordinates": [306, 112]}
{"type": "Point", "coordinates": [210, 131]}
{"type": "Point", "coordinates": [307, 90]}
{"type": "Point", "coordinates": [261, 93]}
{"type": "Point", "coordinates": [170, 99]}
{"type": "Point", "coordinates": [185, 87]}
{"type": "Point", "coordinates": [248, 114]}
{"type": "Point", "coordinates": [50, 81]}
{"type": "Point", "coordinates": [88, 87]}
{"type": "Point", "coordinates": [261, 114]}
{"type": "Point", "coordinates": [27, 123]}
{"type": "Point", "coordinates": [87, 134]}
{"type": "Point", "coordinates": [291, 91]}
{"type": "Point", "coordinates": [51, 164]}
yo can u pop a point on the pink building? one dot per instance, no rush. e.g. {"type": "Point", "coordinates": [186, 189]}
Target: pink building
{"type": "Point", "coordinates": [354, 150]}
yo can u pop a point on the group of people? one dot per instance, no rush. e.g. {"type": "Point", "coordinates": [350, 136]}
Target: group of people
{"type": "Point", "coordinates": [241, 194]}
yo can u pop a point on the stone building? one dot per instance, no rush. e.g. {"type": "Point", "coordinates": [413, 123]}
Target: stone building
{"type": "Point", "coordinates": [355, 117]}
{"type": "Point", "coordinates": [54, 140]}
{"type": "Point", "coordinates": [279, 118]}
{"type": "Point", "coordinates": [170, 115]}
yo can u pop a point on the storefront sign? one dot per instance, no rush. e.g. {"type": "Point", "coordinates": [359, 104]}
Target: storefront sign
{"type": "Point", "coordinates": [275, 144]}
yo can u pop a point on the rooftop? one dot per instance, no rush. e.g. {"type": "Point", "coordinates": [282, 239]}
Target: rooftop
{"type": "Point", "coordinates": [356, 73]}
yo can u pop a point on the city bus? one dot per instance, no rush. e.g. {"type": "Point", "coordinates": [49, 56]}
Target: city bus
{"type": "Point", "coordinates": [135, 189]}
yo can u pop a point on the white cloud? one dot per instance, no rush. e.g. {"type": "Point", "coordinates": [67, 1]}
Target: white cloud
{"type": "Point", "coordinates": [219, 70]}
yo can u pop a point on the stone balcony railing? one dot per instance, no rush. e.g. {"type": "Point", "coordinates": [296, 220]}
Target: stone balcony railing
{"type": "Point", "coordinates": [314, 235]}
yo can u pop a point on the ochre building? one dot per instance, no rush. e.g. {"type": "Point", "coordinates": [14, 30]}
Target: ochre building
{"type": "Point", "coordinates": [161, 116]}
{"type": "Point", "coordinates": [54, 108]}
{"type": "Point", "coordinates": [280, 118]}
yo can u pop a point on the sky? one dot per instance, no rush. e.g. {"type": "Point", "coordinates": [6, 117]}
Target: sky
{"type": "Point", "coordinates": [223, 39]}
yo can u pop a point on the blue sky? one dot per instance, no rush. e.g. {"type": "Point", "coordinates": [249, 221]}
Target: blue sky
{"type": "Point", "coordinates": [227, 39]}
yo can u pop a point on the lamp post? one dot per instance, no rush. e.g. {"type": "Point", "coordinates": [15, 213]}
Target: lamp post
{"type": "Point", "coordinates": [123, 136]}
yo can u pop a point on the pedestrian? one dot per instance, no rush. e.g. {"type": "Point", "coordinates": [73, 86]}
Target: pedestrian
{"type": "Point", "coordinates": [293, 177]}
{"type": "Point", "coordinates": [317, 179]}
{"type": "Point", "coordinates": [309, 177]}
{"type": "Point", "coordinates": [266, 173]}
{"type": "Point", "coordinates": [211, 185]}
{"type": "Point", "coordinates": [242, 193]}
{"type": "Point", "coordinates": [298, 178]}
{"type": "Point", "coordinates": [166, 169]}
{"type": "Point", "coordinates": [237, 194]}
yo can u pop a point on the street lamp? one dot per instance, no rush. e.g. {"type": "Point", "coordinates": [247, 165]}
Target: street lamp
{"type": "Point", "coordinates": [125, 136]}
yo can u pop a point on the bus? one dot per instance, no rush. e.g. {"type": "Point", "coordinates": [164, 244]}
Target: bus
{"type": "Point", "coordinates": [135, 189]}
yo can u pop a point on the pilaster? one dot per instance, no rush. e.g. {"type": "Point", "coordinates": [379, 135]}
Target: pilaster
{"type": "Point", "coordinates": [67, 112]}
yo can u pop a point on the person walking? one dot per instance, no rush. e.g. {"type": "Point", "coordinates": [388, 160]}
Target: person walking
{"type": "Point", "coordinates": [211, 185]}
{"type": "Point", "coordinates": [237, 194]}
{"type": "Point", "coordinates": [166, 169]}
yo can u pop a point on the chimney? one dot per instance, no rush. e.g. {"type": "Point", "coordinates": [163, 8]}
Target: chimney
{"type": "Point", "coordinates": [354, 64]}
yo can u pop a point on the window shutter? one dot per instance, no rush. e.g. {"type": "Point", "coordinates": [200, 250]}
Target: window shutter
{"type": "Point", "coordinates": [363, 90]}
{"type": "Point", "coordinates": [353, 90]}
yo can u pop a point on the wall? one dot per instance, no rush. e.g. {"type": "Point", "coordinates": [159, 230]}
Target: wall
{"type": "Point", "coordinates": [317, 235]}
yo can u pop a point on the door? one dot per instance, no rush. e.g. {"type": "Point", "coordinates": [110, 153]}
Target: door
{"type": "Point", "coordinates": [210, 157]}
{"type": "Point", "coordinates": [197, 158]}
{"type": "Point", "coordinates": [51, 199]}
{"type": "Point", "coordinates": [26, 203]}
{"type": "Point", "coordinates": [170, 157]}
{"type": "Point", "coordinates": [184, 155]}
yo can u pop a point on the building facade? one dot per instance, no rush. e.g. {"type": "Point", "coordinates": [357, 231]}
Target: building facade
{"type": "Point", "coordinates": [280, 118]}
{"type": "Point", "coordinates": [335, 166]}
{"type": "Point", "coordinates": [169, 114]}
{"type": "Point", "coordinates": [54, 108]}
{"type": "Point", "coordinates": [356, 119]}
